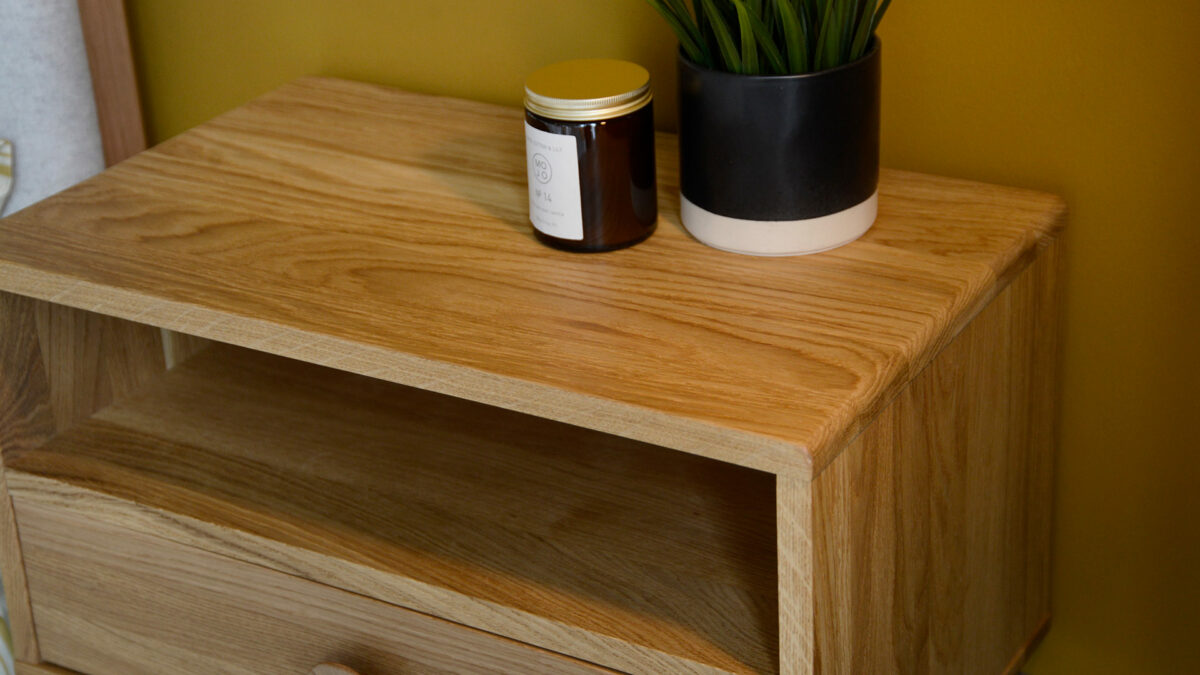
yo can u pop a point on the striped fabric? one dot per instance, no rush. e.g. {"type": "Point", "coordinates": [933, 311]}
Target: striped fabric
{"type": "Point", "coordinates": [6, 165]}
{"type": "Point", "coordinates": [6, 179]}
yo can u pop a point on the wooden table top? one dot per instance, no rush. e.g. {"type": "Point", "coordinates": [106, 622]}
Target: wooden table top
{"type": "Point", "coordinates": [386, 233]}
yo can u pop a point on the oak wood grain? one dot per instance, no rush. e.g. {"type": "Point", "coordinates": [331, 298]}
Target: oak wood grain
{"type": "Point", "coordinates": [932, 529]}
{"type": "Point", "coordinates": [12, 572]}
{"type": "Point", "coordinates": [26, 416]}
{"type": "Point", "coordinates": [332, 669]}
{"type": "Point", "coordinates": [119, 110]}
{"type": "Point", "coordinates": [114, 79]}
{"type": "Point", "coordinates": [179, 347]}
{"type": "Point", "coordinates": [116, 602]}
{"type": "Point", "coordinates": [24, 668]}
{"type": "Point", "coordinates": [794, 528]}
{"type": "Point", "coordinates": [385, 233]}
{"type": "Point", "coordinates": [91, 359]}
{"type": "Point", "coordinates": [620, 553]}
{"type": "Point", "coordinates": [58, 365]}
{"type": "Point", "coordinates": [26, 422]}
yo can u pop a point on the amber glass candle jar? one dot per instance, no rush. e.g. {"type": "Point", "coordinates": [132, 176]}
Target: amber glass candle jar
{"type": "Point", "coordinates": [589, 144]}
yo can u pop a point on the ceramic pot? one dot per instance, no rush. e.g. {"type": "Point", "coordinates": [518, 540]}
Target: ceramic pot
{"type": "Point", "coordinates": [779, 164]}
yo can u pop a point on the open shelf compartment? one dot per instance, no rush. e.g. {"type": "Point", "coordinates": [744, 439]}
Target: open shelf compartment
{"type": "Point", "coordinates": [610, 550]}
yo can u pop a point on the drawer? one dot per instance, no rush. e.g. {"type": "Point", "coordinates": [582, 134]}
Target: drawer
{"type": "Point", "coordinates": [113, 600]}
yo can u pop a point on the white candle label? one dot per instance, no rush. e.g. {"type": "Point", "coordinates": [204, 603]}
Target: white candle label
{"type": "Point", "coordinates": [554, 202]}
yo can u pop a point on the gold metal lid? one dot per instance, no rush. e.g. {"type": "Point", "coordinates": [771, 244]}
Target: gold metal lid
{"type": "Point", "coordinates": [587, 90]}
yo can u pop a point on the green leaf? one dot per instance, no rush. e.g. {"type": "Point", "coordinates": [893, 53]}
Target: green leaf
{"type": "Point", "coordinates": [771, 21]}
{"type": "Point", "coordinates": [749, 44]}
{"type": "Point", "coordinates": [794, 37]}
{"type": "Point", "coordinates": [720, 29]}
{"type": "Point", "coordinates": [826, 38]}
{"type": "Point", "coordinates": [766, 42]}
{"type": "Point", "coordinates": [818, 9]}
{"type": "Point", "coordinates": [879, 15]}
{"type": "Point", "coordinates": [773, 36]}
{"type": "Point", "coordinates": [706, 36]}
{"type": "Point", "coordinates": [808, 23]}
{"type": "Point", "coordinates": [863, 34]}
{"type": "Point", "coordinates": [686, 33]}
{"type": "Point", "coordinates": [685, 16]}
{"type": "Point", "coordinates": [850, 18]}
{"type": "Point", "coordinates": [680, 9]}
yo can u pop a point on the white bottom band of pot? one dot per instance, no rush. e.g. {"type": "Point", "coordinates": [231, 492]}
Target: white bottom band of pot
{"type": "Point", "coordinates": [779, 237]}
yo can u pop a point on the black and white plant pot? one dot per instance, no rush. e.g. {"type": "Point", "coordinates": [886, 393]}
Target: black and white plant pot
{"type": "Point", "coordinates": [779, 164]}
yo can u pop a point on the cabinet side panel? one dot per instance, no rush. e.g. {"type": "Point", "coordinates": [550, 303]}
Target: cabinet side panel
{"type": "Point", "coordinates": [91, 359]}
{"type": "Point", "coordinates": [26, 422]}
{"type": "Point", "coordinates": [1045, 292]}
{"type": "Point", "coordinates": [793, 516]}
{"type": "Point", "coordinates": [932, 529]}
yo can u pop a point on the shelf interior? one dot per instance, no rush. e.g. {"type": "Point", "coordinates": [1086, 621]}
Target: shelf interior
{"type": "Point", "coordinates": [649, 546]}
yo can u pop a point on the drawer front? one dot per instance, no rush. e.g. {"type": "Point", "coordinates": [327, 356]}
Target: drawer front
{"type": "Point", "coordinates": [109, 600]}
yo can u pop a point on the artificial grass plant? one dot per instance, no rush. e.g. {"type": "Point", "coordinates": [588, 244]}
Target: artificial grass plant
{"type": "Point", "coordinates": [773, 37]}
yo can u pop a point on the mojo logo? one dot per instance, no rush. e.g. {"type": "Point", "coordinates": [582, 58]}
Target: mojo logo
{"type": "Point", "coordinates": [541, 169]}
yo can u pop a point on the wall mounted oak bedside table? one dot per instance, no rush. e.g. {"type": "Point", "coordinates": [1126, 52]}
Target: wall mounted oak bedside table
{"type": "Point", "coordinates": [389, 430]}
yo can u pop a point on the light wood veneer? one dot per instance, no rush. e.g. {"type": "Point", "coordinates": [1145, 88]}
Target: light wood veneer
{"type": "Point", "coordinates": [24, 668]}
{"type": "Point", "coordinates": [385, 233]}
{"type": "Point", "coordinates": [930, 557]}
{"type": "Point", "coordinates": [573, 540]}
{"type": "Point", "coordinates": [117, 602]}
{"type": "Point", "coordinates": [668, 459]}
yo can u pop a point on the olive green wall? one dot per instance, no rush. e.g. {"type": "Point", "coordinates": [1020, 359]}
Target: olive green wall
{"type": "Point", "coordinates": [1098, 101]}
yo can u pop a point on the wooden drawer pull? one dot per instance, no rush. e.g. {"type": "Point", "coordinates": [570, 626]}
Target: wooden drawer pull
{"type": "Point", "coordinates": [332, 669]}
